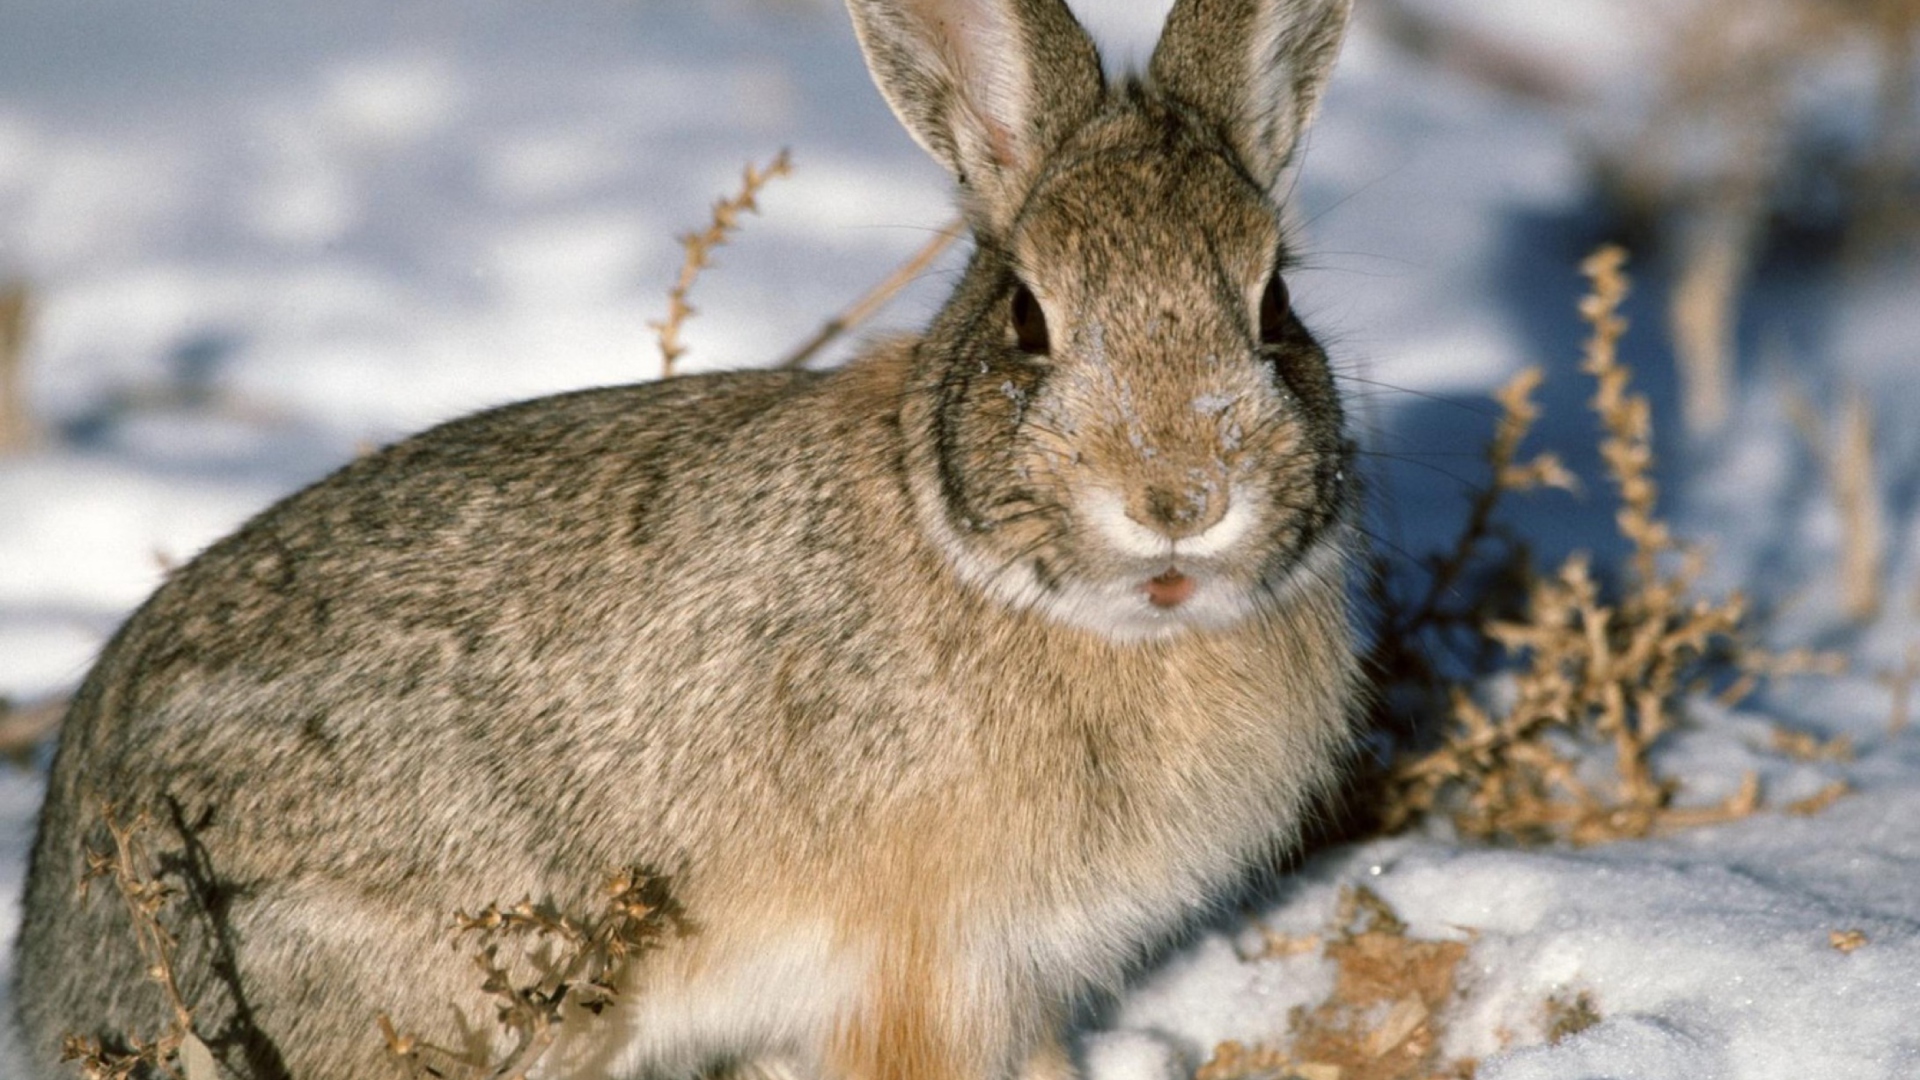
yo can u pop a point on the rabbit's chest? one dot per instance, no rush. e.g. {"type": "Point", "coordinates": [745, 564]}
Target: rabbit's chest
{"type": "Point", "coordinates": [1144, 820]}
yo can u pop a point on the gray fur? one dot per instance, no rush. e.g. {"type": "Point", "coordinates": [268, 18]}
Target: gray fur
{"type": "Point", "coordinates": [861, 663]}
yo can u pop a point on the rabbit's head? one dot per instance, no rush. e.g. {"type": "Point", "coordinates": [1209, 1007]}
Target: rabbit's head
{"type": "Point", "coordinates": [1117, 419]}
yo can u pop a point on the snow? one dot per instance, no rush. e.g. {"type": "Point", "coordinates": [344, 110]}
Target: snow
{"type": "Point", "coordinates": [261, 236]}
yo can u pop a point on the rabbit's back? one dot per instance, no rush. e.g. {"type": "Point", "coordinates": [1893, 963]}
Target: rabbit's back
{"type": "Point", "coordinates": [395, 620]}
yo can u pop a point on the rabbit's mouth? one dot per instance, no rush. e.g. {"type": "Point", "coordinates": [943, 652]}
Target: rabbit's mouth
{"type": "Point", "coordinates": [1170, 589]}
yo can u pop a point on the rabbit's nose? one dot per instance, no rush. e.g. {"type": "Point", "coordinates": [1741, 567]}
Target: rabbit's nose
{"type": "Point", "coordinates": [1176, 513]}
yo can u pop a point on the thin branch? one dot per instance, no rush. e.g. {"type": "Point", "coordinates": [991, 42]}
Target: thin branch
{"type": "Point", "coordinates": [130, 867]}
{"type": "Point", "coordinates": [700, 247]}
{"type": "Point", "coordinates": [864, 308]}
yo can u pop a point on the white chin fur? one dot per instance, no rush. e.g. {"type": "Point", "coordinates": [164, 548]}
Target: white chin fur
{"type": "Point", "coordinates": [1119, 609]}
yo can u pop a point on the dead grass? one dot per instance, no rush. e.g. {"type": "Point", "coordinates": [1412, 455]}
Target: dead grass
{"type": "Point", "coordinates": [1586, 682]}
{"type": "Point", "coordinates": [1820, 801]}
{"type": "Point", "coordinates": [1732, 97]}
{"type": "Point", "coordinates": [542, 967]}
{"type": "Point", "coordinates": [700, 247]}
{"type": "Point", "coordinates": [1383, 1019]}
{"type": "Point", "coordinates": [1736, 153]}
{"type": "Point", "coordinates": [1806, 746]}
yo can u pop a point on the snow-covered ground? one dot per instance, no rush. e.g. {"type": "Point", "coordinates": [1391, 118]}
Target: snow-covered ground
{"type": "Point", "coordinates": [262, 235]}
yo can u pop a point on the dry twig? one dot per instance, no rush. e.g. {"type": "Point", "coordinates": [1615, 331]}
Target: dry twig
{"type": "Point", "coordinates": [17, 430]}
{"type": "Point", "coordinates": [700, 247]}
{"type": "Point", "coordinates": [177, 1053]}
{"type": "Point", "coordinates": [1863, 553]}
{"type": "Point", "coordinates": [1475, 578]}
{"type": "Point", "coordinates": [877, 297]}
{"type": "Point", "coordinates": [1900, 684]}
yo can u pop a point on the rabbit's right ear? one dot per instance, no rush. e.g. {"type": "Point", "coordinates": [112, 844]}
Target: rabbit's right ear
{"type": "Point", "coordinates": [988, 87]}
{"type": "Point", "coordinates": [1256, 68]}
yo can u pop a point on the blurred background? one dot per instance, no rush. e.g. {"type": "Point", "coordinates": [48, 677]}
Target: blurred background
{"type": "Point", "coordinates": [240, 241]}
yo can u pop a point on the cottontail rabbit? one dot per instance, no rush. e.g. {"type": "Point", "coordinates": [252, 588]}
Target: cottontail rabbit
{"type": "Point", "coordinates": [935, 689]}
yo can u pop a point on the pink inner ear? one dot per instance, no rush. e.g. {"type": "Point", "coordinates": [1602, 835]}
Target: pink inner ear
{"type": "Point", "coordinates": [984, 57]}
{"type": "Point", "coordinates": [1001, 144]}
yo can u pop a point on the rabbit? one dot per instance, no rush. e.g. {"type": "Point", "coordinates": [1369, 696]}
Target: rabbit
{"type": "Point", "coordinates": [936, 691]}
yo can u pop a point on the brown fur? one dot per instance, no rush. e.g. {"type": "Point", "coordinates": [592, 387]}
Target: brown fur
{"type": "Point", "coordinates": [858, 662]}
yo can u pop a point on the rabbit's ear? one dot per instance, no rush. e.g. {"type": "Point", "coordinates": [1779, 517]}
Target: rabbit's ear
{"type": "Point", "coordinates": [1254, 67]}
{"type": "Point", "coordinates": [988, 87]}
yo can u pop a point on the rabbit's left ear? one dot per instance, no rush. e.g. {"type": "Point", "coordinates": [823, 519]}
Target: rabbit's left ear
{"type": "Point", "coordinates": [1255, 68]}
{"type": "Point", "coordinates": [988, 87]}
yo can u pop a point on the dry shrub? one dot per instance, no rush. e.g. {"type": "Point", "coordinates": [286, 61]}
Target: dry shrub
{"type": "Point", "coordinates": [1383, 1019]}
{"type": "Point", "coordinates": [725, 222]}
{"type": "Point", "coordinates": [700, 247]}
{"type": "Point", "coordinates": [1733, 149]}
{"type": "Point", "coordinates": [1733, 121]}
{"type": "Point", "coordinates": [1740, 147]}
{"type": "Point", "coordinates": [1806, 746]}
{"type": "Point", "coordinates": [541, 967]}
{"type": "Point", "coordinates": [176, 1053]}
{"type": "Point", "coordinates": [1423, 640]}
{"type": "Point", "coordinates": [1583, 674]}
{"type": "Point", "coordinates": [1819, 801]}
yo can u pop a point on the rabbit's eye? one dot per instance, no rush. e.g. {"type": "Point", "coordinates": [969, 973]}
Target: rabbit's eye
{"type": "Point", "coordinates": [1275, 305]}
{"type": "Point", "coordinates": [1030, 323]}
